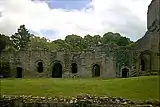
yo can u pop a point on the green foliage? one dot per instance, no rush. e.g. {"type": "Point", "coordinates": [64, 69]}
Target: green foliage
{"type": "Point", "coordinates": [5, 69]}
{"type": "Point", "coordinates": [61, 45]}
{"type": "Point", "coordinates": [123, 56]}
{"type": "Point", "coordinates": [2, 42]}
{"type": "Point", "coordinates": [21, 39]}
{"type": "Point", "coordinates": [38, 43]}
{"type": "Point", "coordinates": [123, 41]}
{"type": "Point", "coordinates": [74, 41]}
{"type": "Point", "coordinates": [5, 43]}
{"type": "Point", "coordinates": [97, 40]}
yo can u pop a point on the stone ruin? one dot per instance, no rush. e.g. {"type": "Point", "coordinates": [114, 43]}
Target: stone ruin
{"type": "Point", "coordinates": [33, 63]}
{"type": "Point", "coordinates": [148, 47]}
{"type": "Point", "coordinates": [95, 63]}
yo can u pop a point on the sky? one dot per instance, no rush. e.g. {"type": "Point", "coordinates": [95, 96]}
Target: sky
{"type": "Point", "coordinates": [55, 19]}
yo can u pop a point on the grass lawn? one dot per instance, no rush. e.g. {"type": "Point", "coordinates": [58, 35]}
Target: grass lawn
{"type": "Point", "coordinates": [138, 88]}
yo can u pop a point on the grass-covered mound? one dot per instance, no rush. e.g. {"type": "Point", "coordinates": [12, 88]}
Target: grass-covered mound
{"type": "Point", "coordinates": [138, 88]}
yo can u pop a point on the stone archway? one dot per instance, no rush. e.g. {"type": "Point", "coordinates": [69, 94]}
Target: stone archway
{"type": "Point", "coordinates": [40, 67]}
{"type": "Point", "coordinates": [74, 68]}
{"type": "Point", "coordinates": [143, 64]}
{"type": "Point", "coordinates": [96, 70]}
{"type": "Point", "coordinates": [125, 72]}
{"type": "Point", "coordinates": [19, 72]}
{"type": "Point", "coordinates": [57, 70]}
{"type": "Point", "coordinates": [145, 60]}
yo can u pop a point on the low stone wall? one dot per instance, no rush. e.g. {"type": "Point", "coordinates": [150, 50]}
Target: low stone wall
{"type": "Point", "coordinates": [79, 101]}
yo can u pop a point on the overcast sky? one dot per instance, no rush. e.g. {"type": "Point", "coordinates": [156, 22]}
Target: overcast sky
{"type": "Point", "coordinates": [55, 19]}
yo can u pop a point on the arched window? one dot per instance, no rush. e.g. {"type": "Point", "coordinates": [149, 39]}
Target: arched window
{"type": "Point", "coordinates": [74, 68]}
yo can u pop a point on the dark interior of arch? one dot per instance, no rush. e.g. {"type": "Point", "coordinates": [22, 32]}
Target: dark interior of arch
{"type": "Point", "coordinates": [74, 68]}
{"type": "Point", "coordinates": [57, 70]}
{"type": "Point", "coordinates": [40, 67]}
{"type": "Point", "coordinates": [125, 72]}
{"type": "Point", "coordinates": [142, 65]}
{"type": "Point", "coordinates": [145, 60]}
{"type": "Point", "coordinates": [96, 70]}
{"type": "Point", "coordinates": [19, 72]}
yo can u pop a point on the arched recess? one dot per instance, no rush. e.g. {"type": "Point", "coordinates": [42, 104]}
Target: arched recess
{"type": "Point", "coordinates": [125, 72]}
{"type": "Point", "coordinates": [74, 68]}
{"type": "Point", "coordinates": [145, 60]}
{"type": "Point", "coordinates": [40, 67]}
{"type": "Point", "coordinates": [19, 71]}
{"type": "Point", "coordinates": [57, 70]}
{"type": "Point", "coordinates": [96, 70]}
{"type": "Point", "coordinates": [143, 63]}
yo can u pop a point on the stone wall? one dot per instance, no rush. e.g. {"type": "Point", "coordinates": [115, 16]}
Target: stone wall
{"type": "Point", "coordinates": [28, 60]}
{"type": "Point", "coordinates": [148, 47]}
{"type": "Point", "coordinates": [153, 13]}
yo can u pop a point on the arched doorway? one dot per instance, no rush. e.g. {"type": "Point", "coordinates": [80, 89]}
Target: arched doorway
{"type": "Point", "coordinates": [142, 64]}
{"type": "Point", "coordinates": [125, 72]}
{"type": "Point", "coordinates": [57, 70]}
{"type": "Point", "coordinates": [74, 68]}
{"type": "Point", "coordinates": [145, 60]}
{"type": "Point", "coordinates": [96, 70]}
{"type": "Point", "coordinates": [19, 72]}
{"type": "Point", "coordinates": [40, 67]}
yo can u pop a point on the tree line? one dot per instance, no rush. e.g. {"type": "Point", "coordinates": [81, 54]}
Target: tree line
{"type": "Point", "coordinates": [23, 39]}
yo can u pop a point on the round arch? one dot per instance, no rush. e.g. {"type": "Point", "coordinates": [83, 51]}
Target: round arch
{"type": "Point", "coordinates": [145, 60]}
{"type": "Point", "coordinates": [56, 69]}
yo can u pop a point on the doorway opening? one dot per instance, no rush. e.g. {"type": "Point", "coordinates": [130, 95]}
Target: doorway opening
{"type": "Point", "coordinates": [40, 67]}
{"type": "Point", "coordinates": [57, 70]}
{"type": "Point", "coordinates": [96, 70]}
{"type": "Point", "coordinates": [19, 72]}
{"type": "Point", "coordinates": [125, 72]}
{"type": "Point", "coordinates": [74, 68]}
{"type": "Point", "coordinates": [142, 65]}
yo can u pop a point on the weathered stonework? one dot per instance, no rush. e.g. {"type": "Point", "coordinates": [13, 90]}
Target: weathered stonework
{"type": "Point", "coordinates": [98, 62]}
{"type": "Point", "coordinates": [148, 47]}
{"type": "Point", "coordinates": [28, 60]}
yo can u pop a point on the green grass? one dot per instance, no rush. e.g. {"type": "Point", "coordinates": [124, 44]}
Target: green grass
{"type": "Point", "coordinates": [138, 88]}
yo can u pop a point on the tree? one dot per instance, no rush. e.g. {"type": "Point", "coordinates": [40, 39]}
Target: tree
{"type": "Point", "coordinates": [62, 45]}
{"type": "Point", "coordinates": [97, 40]}
{"type": "Point", "coordinates": [21, 39]}
{"type": "Point", "coordinates": [123, 41]}
{"type": "Point", "coordinates": [2, 42]}
{"type": "Point", "coordinates": [88, 41]}
{"type": "Point", "coordinates": [75, 41]}
{"type": "Point", "coordinates": [108, 38]}
{"type": "Point", "coordinates": [38, 43]}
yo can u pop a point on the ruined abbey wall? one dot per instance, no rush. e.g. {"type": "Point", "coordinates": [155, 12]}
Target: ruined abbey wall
{"type": "Point", "coordinates": [28, 60]}
{"type": "Point", "coordinates": [88, 63]}
{"type": "Point", "coordinates": [153, 13]}
{"type": "Point", "coordinates": [148, 47]}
